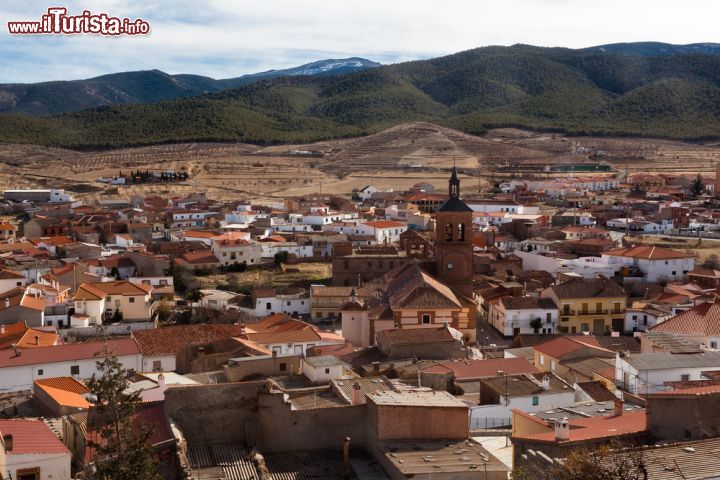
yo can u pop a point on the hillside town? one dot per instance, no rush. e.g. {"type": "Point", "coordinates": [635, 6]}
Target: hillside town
{"type": "Point", "coordinates": [371, 335]}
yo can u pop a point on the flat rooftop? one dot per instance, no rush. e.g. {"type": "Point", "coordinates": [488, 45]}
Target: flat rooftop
{"type": "Point", "coordinates": [413, 398]}
{"type": "Point", "coordinates": [585, 410]}
{"type": "Point", "coordinates": [420, 458]}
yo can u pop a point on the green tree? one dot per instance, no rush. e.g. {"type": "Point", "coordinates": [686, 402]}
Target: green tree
{"type": "Point", "coordinates": [122, 450]}
{"type": "Point", "coordinates": [536, 324]}
{"type": "Point", "coordinates": [697, 187]}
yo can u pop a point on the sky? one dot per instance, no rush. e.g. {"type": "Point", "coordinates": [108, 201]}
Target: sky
{"type": "Point", "coordinates": [229, 38]}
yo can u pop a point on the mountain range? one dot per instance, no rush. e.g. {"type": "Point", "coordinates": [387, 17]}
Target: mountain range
{"type": "Point", "coordinates": [146, 86]}
{"type": "Point", "coordinates": [624, 89]}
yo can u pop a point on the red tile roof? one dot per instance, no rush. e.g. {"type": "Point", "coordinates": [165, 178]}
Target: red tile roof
{"type": "Point", "coordinates": [648, 252]}
{"type": "Point", "coordinates": [32, 436]}
{"type": "Point", "coordinates": [69, 384]}
{"type": "Point", "coordinates": [169, 340]}
{"type": "Point", "coordinates": [34, 338]}
{"type": "Point", "coordinates": [594, 428]}
{"type": "Point", "coordinates": [63, 353]}
{"type": "Point", "coordinates": [703, 320]}
{"type": "Point", "coordinates": [385, 224]}
{"type": "Point", "coordinates": [561, 346]}
{"type": "Point", "coordinates": [706, 390]}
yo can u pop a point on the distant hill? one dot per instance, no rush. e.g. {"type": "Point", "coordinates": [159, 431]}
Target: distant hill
{"type": "Point", "coordinates": [656, 49]}
{"type": "Point", "coordinates": [148, 86]}
{"type": "Point", "coordinates": [551, 89]}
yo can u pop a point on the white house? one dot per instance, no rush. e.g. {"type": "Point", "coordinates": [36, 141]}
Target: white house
{"type": "Point", "coordinates": [30, 450]}
{"type": "Point", "coordinates": [366, 192]}
{"type": "Point", "coordinates": [655, 263]}
{"type": "Point", "coordinates": [508, 206]}
{"type": "Point", "coordinates": [231, 249]}
{"type": "Point", "coordinates": [383, 230]}
{"type": "Point", "coordinates": [640, 226]}
{"type": "Point", "coordinates": [514, 315]}
{"type": "Point", "coordinates": [10, 280]}
{"type": "Point", "coordinates": [645, 315]}
{"type": "Point", "coordinates": [322, 369]}
{"type": "Point", "coordinates": [269, 249]}
{"type": "Point", "coordinates": [640, 373]}
{"type": "Point", "coordinates": [18, 372]}
{"type": "Point", "coordinates": [268, 302]}
{"type": "Point", "coordinates": [530, 392]}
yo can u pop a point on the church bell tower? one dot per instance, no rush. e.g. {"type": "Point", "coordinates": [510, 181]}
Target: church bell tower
{"type": "Point", "coordinates": [453, 238]}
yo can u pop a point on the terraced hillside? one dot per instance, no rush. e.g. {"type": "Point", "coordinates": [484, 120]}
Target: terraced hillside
{"type": "Point", "coordinates": [395, 158]}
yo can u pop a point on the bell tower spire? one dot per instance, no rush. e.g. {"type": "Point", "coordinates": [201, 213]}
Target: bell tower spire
{"type": "Point", "coordinates": [454, 183]}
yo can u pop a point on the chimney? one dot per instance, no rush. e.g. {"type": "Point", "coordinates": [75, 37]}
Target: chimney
{"type": "Point", "coordinates": [201, 351]}
{"type": "Point", "coordinates": [376, 367]}
{"type": "Point", "coordinates": [7, 302]}
{"type": "Point", "coordinates": [161, 380]}
{"type": "Point", "coordinates": [356, 395]}
{"type": "Point", "coordinates": [618, 407]}
{"type": "Point", "coordinates": [37, 340]}
{"type": "Point", "coordinates": [414, 360]}
{"type": "Point", "coordinates": [242, 329]}
{"type": "Point", "coordinates": [8, 441]}
{"type": "Point", "coordinates": [562, 429]}
{"type": "Point", "coordinates": [346, 458]}
{"type": "Point", "coordinates": [546, 382]}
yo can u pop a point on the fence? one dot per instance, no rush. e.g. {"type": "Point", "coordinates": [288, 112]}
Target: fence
{"type": "Point", "coordinates": [484, 423]}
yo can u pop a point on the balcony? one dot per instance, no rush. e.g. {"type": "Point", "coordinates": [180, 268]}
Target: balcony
{"type": "Point", "coordinates": [592, 313]}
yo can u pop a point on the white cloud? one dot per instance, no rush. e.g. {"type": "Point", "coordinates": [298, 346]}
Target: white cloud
{"type": "Point", "coordinates": [227, 38]}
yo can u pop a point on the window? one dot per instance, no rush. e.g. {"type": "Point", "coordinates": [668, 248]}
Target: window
{"type": "Point", "coordinates": [75, 370]}
{"type": "Point", "coordinates": [327, 370]}
{"type": "Point", "coordinates": [461, 232]}
{"type": "Point", "coordinates": [713, 345]}
{"type": "Point", "coordinates": [644, 319]}
{"type": "Point", "coordinates": [685, 377]}
{"type": "Point", "coordinates": [426, 318]}
{"type": "Point", "coordinates": [535, 400]}
{"type": "Point", "coordinates": [288, 303]}
{"type": "Point", "coordinates": [268, 306]}
{"type": "Point", "coordinates": [283, 367]}
{"type": "Point", "coordinates": [157, 366]}
{"type": "Point", "coordinates": [40, 372]}
{"type": "Point", "coordinates": [448, 232]}
{"type": "Point", "coordinates": [131, 299]}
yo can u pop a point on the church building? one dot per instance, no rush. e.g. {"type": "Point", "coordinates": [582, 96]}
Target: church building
{"type": "Point", "coordinates": [425, 293]}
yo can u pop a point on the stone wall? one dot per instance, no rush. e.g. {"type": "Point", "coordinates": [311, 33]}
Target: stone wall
{"type": "Point", "coordinates": [215, 413]}
{"type": "Point", "coordinates": [286, 430]}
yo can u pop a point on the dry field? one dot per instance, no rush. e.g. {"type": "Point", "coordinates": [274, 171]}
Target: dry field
{"type": "Point", "coordinates": [395, 158]}
{"type": "Point", "coordinates": [301, 275]}
{"type": "Point", "coordinates": [701, 249]}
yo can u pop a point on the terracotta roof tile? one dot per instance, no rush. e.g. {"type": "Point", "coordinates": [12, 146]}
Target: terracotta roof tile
{"type": "Point", "coordinates": [648, 252]}
{"type": "Point", "coordinates": [32, 436]}
{"type": "Point", "coordinates": [561, 346]}
{"type": "Point", "coordinates": [169, 340]}
{"type": "Point", "coordinates": [63, 353]}
{"type": "Point", "coordinates": [703, 320]}
{"type": "Point", "coordinates": [582, 429]}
